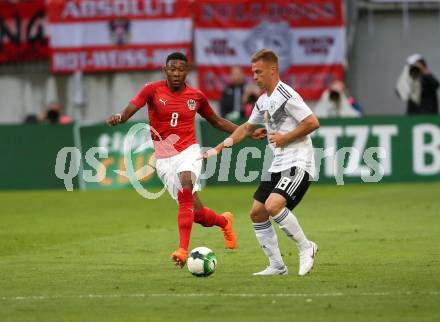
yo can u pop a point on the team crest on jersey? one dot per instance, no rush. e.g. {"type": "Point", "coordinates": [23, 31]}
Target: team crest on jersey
{"type": "Point", "coordinates": [191, 104]}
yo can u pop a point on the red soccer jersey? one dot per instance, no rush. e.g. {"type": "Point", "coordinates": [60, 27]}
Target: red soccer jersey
{"type": "Point", "coordinates": [172, 115]}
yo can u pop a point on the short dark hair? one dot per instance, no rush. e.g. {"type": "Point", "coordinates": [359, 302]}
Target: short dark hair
{"type": "Point", "coordinates": [267, 55]}
{"type": "Point", "coordinates": [177, 56]}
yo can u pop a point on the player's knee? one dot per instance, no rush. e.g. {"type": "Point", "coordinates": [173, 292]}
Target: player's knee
{"type": "Point", "coordinates": [188, 186]}
{"type": "Point", "coordinates": [256, 215]}
{"type": "Point", "coordinates": [252, 215]}
{"type": "Point", "coordinates": [186, 180]}
{"type": "Point", "coordinates": [272, 208]}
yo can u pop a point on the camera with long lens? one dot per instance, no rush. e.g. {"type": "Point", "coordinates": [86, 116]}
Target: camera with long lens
{"type": "Point", "coordinates": [414, 71]}
{"type": "Point", "coordinates": [334, 96]}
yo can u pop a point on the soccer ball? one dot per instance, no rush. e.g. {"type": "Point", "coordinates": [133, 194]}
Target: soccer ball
{"type": "Point", "coordinates": [202, 261]}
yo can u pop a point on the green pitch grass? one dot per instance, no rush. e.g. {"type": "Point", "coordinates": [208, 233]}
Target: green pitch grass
{"type": "Point", "coordinates": [104, 256]}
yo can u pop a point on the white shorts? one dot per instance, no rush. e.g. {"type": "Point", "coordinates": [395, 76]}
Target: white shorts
{"type": "Point", "coordinates": [169, 168]}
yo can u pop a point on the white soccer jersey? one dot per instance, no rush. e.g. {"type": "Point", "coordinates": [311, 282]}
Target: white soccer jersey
{"type": "Point", "coordinates": [282, 112]}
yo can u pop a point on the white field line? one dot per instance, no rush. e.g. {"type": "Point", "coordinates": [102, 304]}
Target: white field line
{"type": "Point", "coordinates": [269, 295]}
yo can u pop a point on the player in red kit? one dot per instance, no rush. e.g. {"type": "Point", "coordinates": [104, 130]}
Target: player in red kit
{"type": "Point", "coordinates": [172, 107]}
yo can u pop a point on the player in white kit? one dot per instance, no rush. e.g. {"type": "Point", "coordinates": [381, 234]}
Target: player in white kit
{"type": "Point", "coordinates": [288, 121]}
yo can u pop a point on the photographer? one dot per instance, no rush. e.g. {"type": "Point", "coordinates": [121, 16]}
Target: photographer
{"type": "Point", "coordinates": [335, 103]}
{"type": "Point", "coordinates": [418, 87]}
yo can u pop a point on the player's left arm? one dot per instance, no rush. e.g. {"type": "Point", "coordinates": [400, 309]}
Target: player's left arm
{"type": "Point", "coordinates": [305, 127]}
{"type": "Point", "coordinates": [227, 126]}
{"type": "Point", "coordinates": [244, 130]}
{"type": "Point", "coordinates": [221, 123]}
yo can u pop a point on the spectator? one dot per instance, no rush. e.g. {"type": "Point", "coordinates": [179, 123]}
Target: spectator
{"type": "Point", "coordinates": [231, 100]}
{"type": "Point", "coordinates": [418, 87]}
{"type": "Point", "coordinates": [334, 102]}
{"type": "Point", "coordinates": [53, 114]}
{"type": "Point", "coordinates": [31, 119]}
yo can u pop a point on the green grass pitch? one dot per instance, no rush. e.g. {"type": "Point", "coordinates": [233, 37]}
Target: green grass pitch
{"type": "Point", "coordinates": [104, 256]}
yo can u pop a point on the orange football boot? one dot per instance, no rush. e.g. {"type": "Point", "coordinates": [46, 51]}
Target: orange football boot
{"type": "Point", "coordinates": [228, 231]}
{"type": "Point", "coordinates": [179, 257]}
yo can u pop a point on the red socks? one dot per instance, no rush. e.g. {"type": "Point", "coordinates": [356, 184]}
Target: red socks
{"type": "Point", "coordinates": [185, 216]}
{"type": "Point", "coordinates": [208, 218]}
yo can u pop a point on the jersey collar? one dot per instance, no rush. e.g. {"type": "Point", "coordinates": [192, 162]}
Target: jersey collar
{"type": "Point", "coordinates": [179, 92]}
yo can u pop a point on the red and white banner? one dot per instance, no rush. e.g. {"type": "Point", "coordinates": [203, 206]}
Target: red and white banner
{"type": "Point", "coordinates": [22, 31]}
{"type": "Point", "coordinates": [115, 35]}
{"type": "Point", "coordinates": [308, 36]}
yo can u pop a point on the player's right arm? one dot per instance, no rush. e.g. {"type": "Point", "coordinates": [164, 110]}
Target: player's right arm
{"type": "Point", "coordinates": [123, 116]}
{"type": "Point", "coordinates": [143, 96]}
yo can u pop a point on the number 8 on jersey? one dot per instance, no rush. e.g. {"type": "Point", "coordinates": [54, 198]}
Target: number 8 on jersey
{"type": "Point", "coordinates": [174, 118]}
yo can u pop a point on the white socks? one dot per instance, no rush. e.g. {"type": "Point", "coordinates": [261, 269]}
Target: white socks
{"type": "Point", "coordinates": [268, 240]}
{"type": "Point", "coordinates": [290, 225]}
